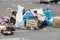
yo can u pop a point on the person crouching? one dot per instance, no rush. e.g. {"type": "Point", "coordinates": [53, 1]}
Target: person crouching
{"type": "Point", "coordinates": [13, 17]}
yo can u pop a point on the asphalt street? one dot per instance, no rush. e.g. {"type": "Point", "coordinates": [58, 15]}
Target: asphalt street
{"type": "Point", "coordinates": [6, 6]}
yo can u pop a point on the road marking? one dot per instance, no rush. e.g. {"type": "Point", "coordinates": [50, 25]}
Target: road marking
{"type": "Point", "coordinates": [21, 38]}
{"type": "Point", "coordinates": [10, 39]}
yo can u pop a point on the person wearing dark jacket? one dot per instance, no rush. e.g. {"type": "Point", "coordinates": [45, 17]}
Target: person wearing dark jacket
{"type": "Point", "coordinates": [13, 16]}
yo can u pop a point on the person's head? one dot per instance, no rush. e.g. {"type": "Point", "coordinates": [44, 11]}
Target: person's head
{"type": "Point", "coordinates": [14, 13]}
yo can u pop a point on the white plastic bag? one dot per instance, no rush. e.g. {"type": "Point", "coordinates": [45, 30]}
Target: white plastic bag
{"type": "Point", "coordinates": [41, 15]}
{"type": "Point", "coordinates": [19, 17]}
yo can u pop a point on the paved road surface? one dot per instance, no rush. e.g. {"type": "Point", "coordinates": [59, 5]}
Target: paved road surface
{"type": "Point", "coordinates": [6, 6]}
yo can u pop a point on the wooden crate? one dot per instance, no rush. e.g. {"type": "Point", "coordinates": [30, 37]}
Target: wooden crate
{"type": "Point", "coordinates": [32, 23]}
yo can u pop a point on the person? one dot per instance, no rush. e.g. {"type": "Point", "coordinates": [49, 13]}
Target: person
{"type": "Point", "coordinates": [13, 17]}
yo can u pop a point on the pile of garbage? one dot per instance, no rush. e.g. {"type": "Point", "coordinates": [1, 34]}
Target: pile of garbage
{"type": "Point", "coordinates": [5, 28]}
{"type": "Point", "coordinates": [32, 19]}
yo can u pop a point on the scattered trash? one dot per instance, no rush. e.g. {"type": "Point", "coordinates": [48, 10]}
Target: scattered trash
{"type": "Point", "coordinates": [6, 33]}
{"type": "Point", "coordinates": [5, 19]}
{"type": "Point", "coordinates": [30, 18]}
{"type": "Point", "coordinates": [2, 27]}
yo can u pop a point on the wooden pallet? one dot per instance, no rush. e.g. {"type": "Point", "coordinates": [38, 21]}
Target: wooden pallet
{"type": "Point", "coordinates": [32, 24]}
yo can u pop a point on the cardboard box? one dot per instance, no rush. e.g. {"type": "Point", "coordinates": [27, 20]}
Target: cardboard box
{"type": "Point", "coordinates": [56, 22]}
